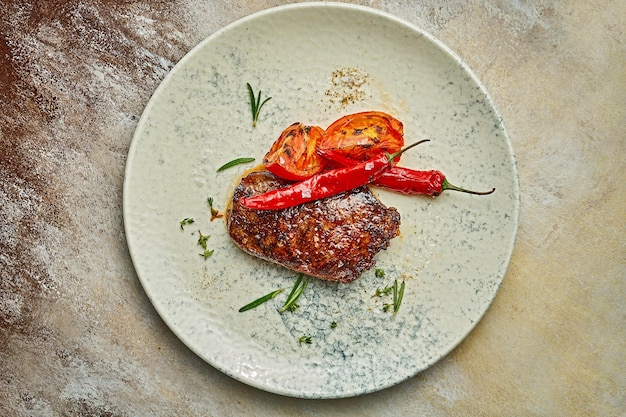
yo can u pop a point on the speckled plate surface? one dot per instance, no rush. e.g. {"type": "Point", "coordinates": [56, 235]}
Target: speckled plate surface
{"type": "Point", "coordinates": [319, 61]}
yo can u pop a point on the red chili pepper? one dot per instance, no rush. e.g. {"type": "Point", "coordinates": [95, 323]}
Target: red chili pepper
{"type": "Point", "coordinates": [412, 182]}
{"type": "Point", "coordinates": [323, 185]}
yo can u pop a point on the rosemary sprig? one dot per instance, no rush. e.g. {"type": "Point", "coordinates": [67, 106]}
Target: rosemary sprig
{"type": "Point", "coordinates": [255, 104]}
{"type": "Point", "coordinates": [234, 162]}
{"type": "Point", "coordinates": [260, 300]}
{"type": "Point", "coordinates": [295, 293]}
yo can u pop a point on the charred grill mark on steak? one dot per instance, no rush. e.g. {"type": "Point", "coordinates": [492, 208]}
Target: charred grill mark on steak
{"type": "Point", "coordinates": [334, 239]}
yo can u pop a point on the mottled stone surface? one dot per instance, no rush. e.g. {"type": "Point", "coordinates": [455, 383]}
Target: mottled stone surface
{"type": "Point", "coordinates": [78, 336]}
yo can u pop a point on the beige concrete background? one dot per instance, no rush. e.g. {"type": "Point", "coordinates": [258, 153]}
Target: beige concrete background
{"type": "Point", "coordinates": [78, 336]}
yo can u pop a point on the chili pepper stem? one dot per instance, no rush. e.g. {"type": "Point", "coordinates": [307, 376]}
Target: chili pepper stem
{"type": "Point", "coordinates": [447, 186]}
{"type": "Point", "coordinates": [394, 155]}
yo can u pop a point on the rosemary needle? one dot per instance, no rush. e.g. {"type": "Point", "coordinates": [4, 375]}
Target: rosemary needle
{"type": "Point", "coordinates": [295, 286]}
{"type": "Point", "coordinates": [397, 295]}
{"type": "Point", "coordinates": [295, 293]}
{"type": "Point", "coordinates": [261, 300]}
{"type": "Point", "coordinates": [235, 162]}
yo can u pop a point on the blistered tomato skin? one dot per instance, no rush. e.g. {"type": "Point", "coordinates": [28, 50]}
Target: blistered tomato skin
{"type": "Point", "coordinates": [293, 155]}
{"type": "Point", "coordinates": [361, 136]}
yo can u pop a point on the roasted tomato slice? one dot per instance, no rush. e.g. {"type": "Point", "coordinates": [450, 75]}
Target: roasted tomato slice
{"type": "Point", "coordinates": [293, 155]}
{"type": "Point", "coordinates": [361, 136]}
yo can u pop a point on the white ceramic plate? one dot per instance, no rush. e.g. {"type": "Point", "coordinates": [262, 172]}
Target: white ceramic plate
{"type": "Point", "coordinates": [319, 61]}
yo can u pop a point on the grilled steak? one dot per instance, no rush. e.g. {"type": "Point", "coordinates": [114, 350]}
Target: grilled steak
{"type": "Point", "coordinates": [334, 239]}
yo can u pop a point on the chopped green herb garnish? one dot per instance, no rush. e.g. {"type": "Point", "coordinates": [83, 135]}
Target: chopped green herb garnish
{"type": "Point", "coordinates": [235, 162]}
{"type": "Point", "coordinates": [379, 273]}
{"type": "Point", "coordinates": [384, 291]}
{"type": "Point", "coordinates": [261, 300]}
{"type": "Point", "coordinates": [295, 293]}
{"type": "Point", "coordinates": [305, 339]}
{"type": "Point", "coordinates": [185, 222]}
{"type": "Point", "coordinates": [398, 293]}
{"type": "Point", "coordinates": [255, 104]}
{"type": "Point", "coordinates": [202, 239]}
{"type": "Point", "coordinates": [333, 325]}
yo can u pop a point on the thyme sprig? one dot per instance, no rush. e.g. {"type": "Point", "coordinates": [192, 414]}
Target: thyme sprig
{"type": "Point", "coordinates": [255, 104]}
{"type": "Point", "coordinates": [305, 339]}
{"type": "Point", "coordinates": [261, 300]}
{"type": "Point", "coordinates": [215, 214]}
{"type": "Point", "coordinates": [202, 241]}
{"type": "Point", "coordinates": [295, 293]}
{"type": "Point", "coordinates": [382, 291]}
{"type": "Point", "coordinates": [184, 222]}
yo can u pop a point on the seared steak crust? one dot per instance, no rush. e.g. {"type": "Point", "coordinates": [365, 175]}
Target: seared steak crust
{"type": "Point", "coordinates": [334, 239]}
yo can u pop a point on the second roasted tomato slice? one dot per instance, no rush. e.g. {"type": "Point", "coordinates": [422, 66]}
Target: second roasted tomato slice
{"type": "Point", "coordinates": [361, 136]}
{"type": "Point", "coordinates": [293, 155]}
